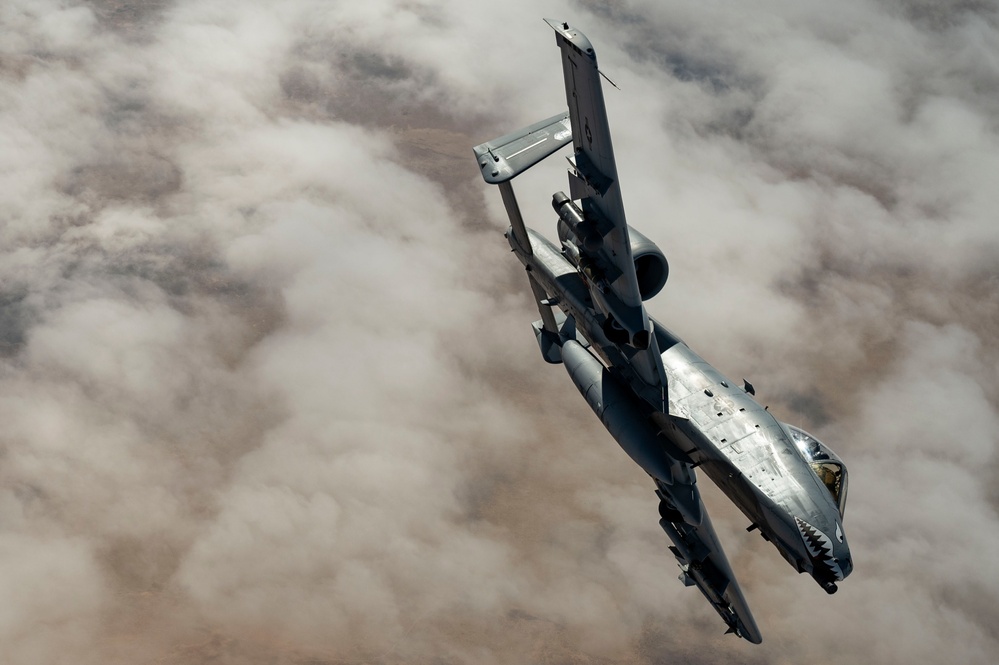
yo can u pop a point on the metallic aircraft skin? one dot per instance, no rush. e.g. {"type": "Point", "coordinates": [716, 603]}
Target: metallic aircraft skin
{"type": "Point", "coordinates": [667, 407]}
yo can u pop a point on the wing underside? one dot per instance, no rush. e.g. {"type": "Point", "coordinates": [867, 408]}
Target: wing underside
{"type": "Point", "coordinates": [703, 564]}
{"type": "Point", "coordinates": [593, 160]}
{"type": "Point", "coordinates": [593, 180]}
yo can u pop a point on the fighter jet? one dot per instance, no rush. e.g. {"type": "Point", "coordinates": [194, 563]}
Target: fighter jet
{"type": "Point", "coordinates": [669, 409]}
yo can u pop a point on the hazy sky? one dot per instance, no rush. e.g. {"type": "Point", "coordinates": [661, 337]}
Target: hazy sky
{"type": "Point", "coordinates": [269, 392]}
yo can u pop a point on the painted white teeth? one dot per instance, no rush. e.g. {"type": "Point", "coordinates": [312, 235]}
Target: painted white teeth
{"type": "Point", "coordinates": [819, 545]}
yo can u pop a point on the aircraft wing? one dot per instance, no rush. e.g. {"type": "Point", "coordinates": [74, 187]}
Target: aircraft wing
{"type": "Point", "coordinates": [595, 173]}
{"type": "Point", "coordinates": [594, 182]}
{"type": "Point", "coordinates": [703, 564]}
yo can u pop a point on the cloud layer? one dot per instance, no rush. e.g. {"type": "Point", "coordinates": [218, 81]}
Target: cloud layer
{"type": "Point", "coordinates": [268, 385]}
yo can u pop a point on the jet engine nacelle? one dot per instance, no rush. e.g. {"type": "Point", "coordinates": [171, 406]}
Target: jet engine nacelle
{"type": "Point", "coordinates": [651, 266]}
{"type": "Point", "coordinates": [579, 238]}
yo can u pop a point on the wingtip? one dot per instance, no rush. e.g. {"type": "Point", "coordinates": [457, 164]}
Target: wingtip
{"type": "Point", "coordinates": [752, 637]}
{"type": "Point", "coordinates": [748, 630]}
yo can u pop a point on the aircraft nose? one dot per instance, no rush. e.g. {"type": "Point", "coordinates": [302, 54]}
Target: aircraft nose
{"type": "Point", "coordinates": [830, 560]}
{"type": "Point", "coordinates": [845, 564]}
{"type": "Point", "coordinates": [842, 558]}
{"type": "Point", "coordinates": [832, 570]}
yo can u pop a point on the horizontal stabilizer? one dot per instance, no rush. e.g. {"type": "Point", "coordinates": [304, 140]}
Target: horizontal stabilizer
{"type": "Point", "coordinates": [508, 156]}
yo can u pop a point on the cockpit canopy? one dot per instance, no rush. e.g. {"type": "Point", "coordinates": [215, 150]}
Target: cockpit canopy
{"type": "Point", "coordinates": [825, 464]}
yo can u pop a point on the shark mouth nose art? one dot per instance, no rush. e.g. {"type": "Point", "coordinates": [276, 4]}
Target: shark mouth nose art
{"type": "Point", "coordinates": [820, 547]}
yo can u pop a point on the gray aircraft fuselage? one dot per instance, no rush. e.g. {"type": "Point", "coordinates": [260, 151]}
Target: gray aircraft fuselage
{"type": "Point", "coordinates": [718, 427]}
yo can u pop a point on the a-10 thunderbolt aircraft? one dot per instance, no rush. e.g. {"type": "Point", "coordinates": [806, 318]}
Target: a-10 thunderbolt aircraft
{"type": "Point", "coordinates": [667, 407]}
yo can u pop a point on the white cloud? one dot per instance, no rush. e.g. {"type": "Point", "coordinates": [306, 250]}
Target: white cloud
{"type": "Point", "coordinates": [267, 369]}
